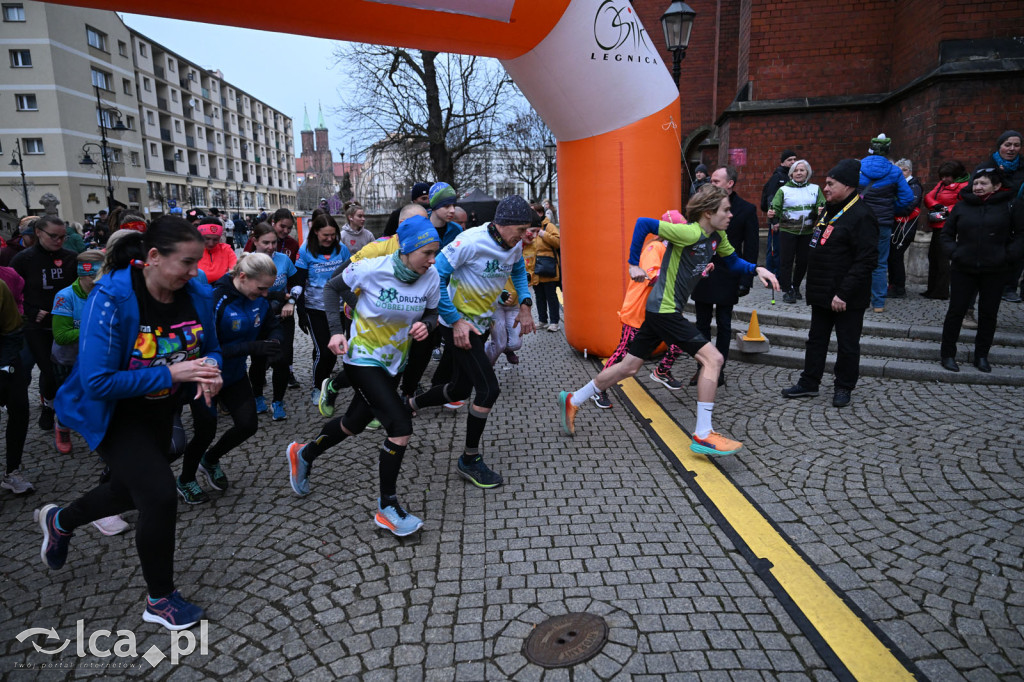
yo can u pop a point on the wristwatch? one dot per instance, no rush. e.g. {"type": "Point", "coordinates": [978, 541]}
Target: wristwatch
{"type": "Point", "coordinates": [528, 302]}
{"type": "Point", "coordinates": [7, 369]}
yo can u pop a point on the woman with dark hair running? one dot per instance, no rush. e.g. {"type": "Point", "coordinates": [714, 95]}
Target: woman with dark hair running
{"type": "Point", "coordinates": [318, 258]}
{"type": "Point", "coordinates": [147, 329]}
{"type": "Point", "coordinates": [282, 306]}
{"type": "Point", "coordinates": [394, 300]}
{"type": "Point", "coordinates": [244, 327]}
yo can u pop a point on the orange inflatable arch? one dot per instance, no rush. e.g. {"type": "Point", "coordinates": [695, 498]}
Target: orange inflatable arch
{"type": "Point", "coordinates": [590, 70]}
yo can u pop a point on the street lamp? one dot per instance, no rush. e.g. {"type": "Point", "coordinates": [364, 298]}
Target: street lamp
{"type": "Point", "coordinates": [102, 114]}
{"type": "Point", "coordinates": [188, 189]}
{"type": "Point", "coordinates": [677, 22]}
{"type": "Point", "coordinates": [16, 154]}
{"type": "Point", "coordinates": [550, 149]}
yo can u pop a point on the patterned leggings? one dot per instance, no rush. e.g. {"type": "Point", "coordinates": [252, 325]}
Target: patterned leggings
{"type": "Point", "coordinates": [628, 333]}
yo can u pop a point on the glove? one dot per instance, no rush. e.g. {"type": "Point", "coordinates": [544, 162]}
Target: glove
{"type": "Point", "coordinates": [268, 348]}
{"type": "Point", "coordinates": [300, 316]}
{"type": "Point", "coordinates": [743, 290]}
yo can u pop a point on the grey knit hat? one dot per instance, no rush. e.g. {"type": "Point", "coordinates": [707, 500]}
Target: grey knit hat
{"type": "Point", "coordinates": [513, 210]}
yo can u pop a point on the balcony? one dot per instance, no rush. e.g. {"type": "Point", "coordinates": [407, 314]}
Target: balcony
{"type": "Point", "coordinates": [245, 155]}
{"type": "Point", "coordinates": [257, 159]}
{"type": "Point", "coordinates": [223, 101]}
{"type": "Point", "coordinates": [159, 71]}
{"type": "Point", "coordinates": [162, 103]}
{"type": "Point", "coordinates": [190, 141]}
{"type": "Point", "coordinates": [231, 174]}
{"type": "Point", "coordinates": [210, 146]}
{"type": "Point", "coordinates": [206, 93]}
{"type": "Point", "coordinates": [193, 169]}
{"type": "Point", "coordinates": [165, 134]}
{"type": "Point", "coordinates": [259, 180]}
{"type": "Point", "coordinates": [208, 119]}
{"type": "Point", "coordinates": [169, 166]}
{"type": "Point", "coordinates": [184, 83]}
{"type": "Point", "coordinates": [213, 173]}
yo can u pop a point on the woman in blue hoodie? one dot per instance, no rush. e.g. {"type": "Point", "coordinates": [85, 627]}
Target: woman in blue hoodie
{"type": "Point", "coordinates": [245, 326]}
{"type": "Point", "coordinates": [147, 330]}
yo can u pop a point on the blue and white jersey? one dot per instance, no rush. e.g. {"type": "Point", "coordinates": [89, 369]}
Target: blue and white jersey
{"type": "Point", "coordinates": [319, 269]}
{"type": "Point", "coordinates": [285, 269]}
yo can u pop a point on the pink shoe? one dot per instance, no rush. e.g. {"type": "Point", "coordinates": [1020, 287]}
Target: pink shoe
{"type": "Point", "coordinates": [111, 525]}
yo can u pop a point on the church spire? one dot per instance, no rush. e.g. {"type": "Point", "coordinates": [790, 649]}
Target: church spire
{"type": "Point", "coordinates": [320, 121]}
{"type": "Point", "coordinates": [305, 120]}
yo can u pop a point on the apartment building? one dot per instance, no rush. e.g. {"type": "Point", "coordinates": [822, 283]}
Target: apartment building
{"type": "Point", "coordinates": [176, 133]}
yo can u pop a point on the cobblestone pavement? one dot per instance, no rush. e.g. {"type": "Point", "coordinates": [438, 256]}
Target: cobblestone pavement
{"type": "Point", "coordinates": [909, 501]}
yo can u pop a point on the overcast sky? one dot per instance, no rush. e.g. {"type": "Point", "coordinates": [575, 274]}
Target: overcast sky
{"type": "Point", "coordinates": [285, 71]}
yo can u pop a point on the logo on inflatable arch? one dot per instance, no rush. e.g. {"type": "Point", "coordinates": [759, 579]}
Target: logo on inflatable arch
{"type": "Point", "coordinates": [620, 35]}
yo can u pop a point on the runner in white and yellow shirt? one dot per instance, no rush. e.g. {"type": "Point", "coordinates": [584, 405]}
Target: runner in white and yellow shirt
{"type": "Point", "coordinates": [394, 299]}
{"type": "Point", "coordinates": [473, 271]}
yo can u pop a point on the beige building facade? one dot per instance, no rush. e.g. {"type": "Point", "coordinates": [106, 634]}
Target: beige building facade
{"type": "Point", "coordinates": [190, 138]}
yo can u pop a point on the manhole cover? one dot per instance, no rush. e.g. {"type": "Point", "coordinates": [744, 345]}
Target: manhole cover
{"type": "Point", "coordinates": [566, 640]}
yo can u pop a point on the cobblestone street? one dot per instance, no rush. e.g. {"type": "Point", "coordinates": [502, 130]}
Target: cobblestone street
{"type": "Point", "coordinates": [909, 503]}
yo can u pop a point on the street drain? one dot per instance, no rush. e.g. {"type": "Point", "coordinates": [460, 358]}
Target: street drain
{"type": "Point", "coordinates": [566, 640]}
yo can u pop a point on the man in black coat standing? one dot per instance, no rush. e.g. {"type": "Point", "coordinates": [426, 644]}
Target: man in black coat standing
{"type": "Point", "coordinates": [843, 254]}
{"type": "Point", "coordinates": [777, 180]}
{"type": "Point", "coordinates": [720, 290]}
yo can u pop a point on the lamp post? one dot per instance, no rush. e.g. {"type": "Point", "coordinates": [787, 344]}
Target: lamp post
{"type": "Point", "coordinates": [677, 22]}
{"type": "Point", "coordinates": [550, 149]}
{"type": "Point", "coordinates": [105, 152]}
{"type": "Point", "coordinates": [188, 189]}
{"type": "Point", "coordinates": [17, 161]}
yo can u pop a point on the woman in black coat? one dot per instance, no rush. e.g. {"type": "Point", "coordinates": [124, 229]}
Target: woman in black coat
{"type": "Point", "coordinates": [984, 239]}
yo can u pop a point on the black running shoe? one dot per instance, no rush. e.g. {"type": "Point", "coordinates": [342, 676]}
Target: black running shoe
{"type": "Point", "coordinates": [478, 473]}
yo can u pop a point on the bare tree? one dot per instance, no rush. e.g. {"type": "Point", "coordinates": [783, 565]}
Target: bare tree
{"type": "Point", "coordinates": [447, 102]}
{"type": "Point", "coordinates": [522, 141]}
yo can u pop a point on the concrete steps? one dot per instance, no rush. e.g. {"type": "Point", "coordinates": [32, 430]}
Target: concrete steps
{"type": "Point", "coordinates": [892, 350]}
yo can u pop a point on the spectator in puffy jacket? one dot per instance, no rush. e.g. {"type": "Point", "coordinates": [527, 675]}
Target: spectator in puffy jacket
{"type": "Point", "coordinates": [885, 190]}
{"type": "Point", "coordinates": [984, 238]}
{"type": "Point", "coordinates": [938, 203]}
{"type": "Point", "coordinates": [904, 229]}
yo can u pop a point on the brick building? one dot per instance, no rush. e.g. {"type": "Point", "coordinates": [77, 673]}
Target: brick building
{"type": "Point", "coordinates": [942, 79]}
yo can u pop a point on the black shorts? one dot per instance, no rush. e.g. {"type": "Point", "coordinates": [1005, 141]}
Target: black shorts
{"type": "Point", "coordinates": [668, 328]}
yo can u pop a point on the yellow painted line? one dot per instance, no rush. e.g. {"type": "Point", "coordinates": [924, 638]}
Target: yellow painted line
{"type": "Point", "coordinates": [863, 654]}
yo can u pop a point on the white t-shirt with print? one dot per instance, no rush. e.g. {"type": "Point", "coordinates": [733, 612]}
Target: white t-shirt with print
{"type": "Point", "coordinates": [480, 268]}
{"type": "Point", "coordinates": [386, 309]}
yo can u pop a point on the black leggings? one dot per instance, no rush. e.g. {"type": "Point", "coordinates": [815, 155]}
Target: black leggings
{"type": "Point", "coordinates": [40, 345]}
{"type": "Point", "coordinates": [323, 359]}
{"type": "Point", "coordinates": [419, 358]}
{"type": "Point", "coordinates": [472, 371]}
{"type": "Point", "coordinates": [793, 249]}
{"type": "Point", "coordinates": [15, 397]}
{"type": "Point", "coordinates": [375, 397]}
{"type": "Point", "coordinates": [136, 452]}
{"type": "Point", "coordinates": [897, 252]}
{"type": "Point", "coordinates": [258, 364]}
{"type": "Point", "coordinates": [547, 301]}
{"type": "Point", "coordinates": [239, 401]}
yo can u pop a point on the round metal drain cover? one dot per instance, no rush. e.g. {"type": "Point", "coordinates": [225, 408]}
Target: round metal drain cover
{"type": "Point", "coordinates": [566, 640]}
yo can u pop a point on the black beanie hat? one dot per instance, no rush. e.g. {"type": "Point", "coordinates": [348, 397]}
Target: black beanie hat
{"type": "Point", "coordinates": [786, 154]}
{"type": "Point", "coordinates": [847, 172]}
{"type": "Point", "coordinates": [1007, 135]}
{"type": "Point", "coordinates": [420, 189]}
{"type": "Point", "coordinates": [514, 210]}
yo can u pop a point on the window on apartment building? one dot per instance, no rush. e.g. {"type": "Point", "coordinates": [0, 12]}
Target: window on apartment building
{"type": "Point", "coordinates": [133, 195]}
{"type": "Point", "coordinates": [97, 39]}
{"type": "Point", "coordinates": [147, 85]}
{"type": "Point", "coordinates": [126, 86]}
{"type": "Point", "coordinates": [143, 50]}
{"type": "Point", "coordinates": [135, 158]}
{"type": "Point", "coordinates": [202, 159]}
{"type": "Point", "coordinates": [234, 142]}
{"type": "Point", "coordinates": [14, 12]}
{"type": "Point", "coordinates": [101, 79]}
{"type": "Point", "coordinates": [170, 65]}
{"type": "Point", "coordinates": [177, 126]}
{"type": "Point", "coordinates": [129, 122]}
{"type": "Point", "coordinates": [32, 145]}
{"type": "Point", "coordinates": [174, 95]}
{"type": "Point", "coordinates": [233, 119]}
{"type": "Point", "coordinates": [26, 102]}
{"type": "Point", "coordinates": [122, 48]}
{"type": "Point", "coordinates": [152, 148]}
{"type": "Point", "coordinates": [150, 119]}
{"type": "Point", "coordinates": [221, 163]}
{"type": "Point", "coordinates": [218, 138]}
{"type": "Point", "coordinates": [21, 59]}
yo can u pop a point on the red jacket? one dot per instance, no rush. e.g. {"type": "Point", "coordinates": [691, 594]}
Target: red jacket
{"type": "Point", "coordinates": [943, 195]}
{"type": "Point", "coordinates": [217, 262]}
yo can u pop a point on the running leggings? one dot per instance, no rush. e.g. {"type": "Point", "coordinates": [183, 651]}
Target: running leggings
{"type": "Point", "coordinates": [258, 364]}
{"type": "Point", "coordinates": [39, 344]}
{"type": "Point", "coordinates": [472, 371]}
{"type": "Point", "coordinates": [323, 359]}
{"type": "Point", "coordinates": [135, 451]}
{"type": "Point", "coordinates": [667, 360]}
{"type": "Point", "coordinates": [239, 401]}
{"type": "Point", "coordinates": [14, 396]}
{"type": "Point", "coordinates": [376, 396]}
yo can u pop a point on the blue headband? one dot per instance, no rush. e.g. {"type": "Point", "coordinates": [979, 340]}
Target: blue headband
{"type": "Point", "coordinates": [415, 233]}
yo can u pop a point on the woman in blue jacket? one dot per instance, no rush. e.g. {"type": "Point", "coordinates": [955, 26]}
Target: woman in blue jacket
{"type": "Point", "coordinates": [318, 258]}
{"type": "Point", "coordinates": [147, 329]}
{"type": "Point", "coordinates": [244, 327]}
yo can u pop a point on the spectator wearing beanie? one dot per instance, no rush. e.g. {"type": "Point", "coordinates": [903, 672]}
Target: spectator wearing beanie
{"type": "Point", "coordinates": [420, 195]}
{"type": "Point", "coordinates": [700, 178]}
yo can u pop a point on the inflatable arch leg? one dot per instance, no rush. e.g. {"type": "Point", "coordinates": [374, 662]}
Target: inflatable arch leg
{"type": "Point", "coordinates": [590, 70]}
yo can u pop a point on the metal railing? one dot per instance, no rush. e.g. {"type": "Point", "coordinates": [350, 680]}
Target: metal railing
{"type": "Point", "coordinates": [165, 134]}
{"type": "Point", "coordinates": [190, 141]}
{"type": "Point", "coordinates": [169, 165]}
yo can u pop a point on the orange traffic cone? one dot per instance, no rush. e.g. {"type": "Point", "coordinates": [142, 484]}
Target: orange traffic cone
{"type": "Point", "coordinates": [754, 330]}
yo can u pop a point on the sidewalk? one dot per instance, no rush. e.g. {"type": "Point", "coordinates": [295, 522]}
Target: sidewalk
{"type": "Point", "coordinates": [908, 503]}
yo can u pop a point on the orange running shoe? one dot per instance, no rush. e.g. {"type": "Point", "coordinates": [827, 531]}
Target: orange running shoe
{"type": "Point", "coordinates": [567, 413]}
{"type": "Point", "coordinates": [715, 445]}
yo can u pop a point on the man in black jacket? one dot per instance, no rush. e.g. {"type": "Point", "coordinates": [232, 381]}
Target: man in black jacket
{"type": "Point", "coordinates": [720, 291]}
{"type": "Point", "coordinates": [778, 179]}
{"type": "Point", "coordinates": [843, 254]}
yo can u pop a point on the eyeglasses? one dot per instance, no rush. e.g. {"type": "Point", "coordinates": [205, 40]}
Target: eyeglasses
{"type": "Point", "coordinates": [55, 237]}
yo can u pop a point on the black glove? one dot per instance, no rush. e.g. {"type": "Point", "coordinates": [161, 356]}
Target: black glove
{"type": "Point", "coordinates": [301, 319]}
{"type": "Point", "coordinates": [268, 348]}
{"type": "Point", "coordinates": [743, 290]}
